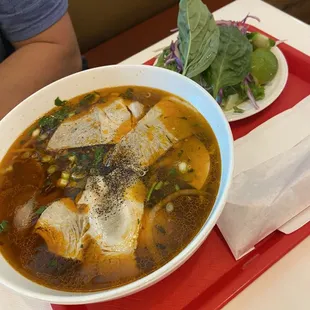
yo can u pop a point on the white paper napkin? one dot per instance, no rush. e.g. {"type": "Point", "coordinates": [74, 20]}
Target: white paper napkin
{"type": "Point", "coordinates": [271, 181]}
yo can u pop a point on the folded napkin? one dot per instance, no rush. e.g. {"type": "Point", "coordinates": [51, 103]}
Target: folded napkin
{"type": "Point", "coordinates": [271, 181]}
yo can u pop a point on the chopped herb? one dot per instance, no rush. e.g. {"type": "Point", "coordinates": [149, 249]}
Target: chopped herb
{"type": "Point", "coordinates": [81, 246]}
{"type": "Point", "coordinates": [183, 117]}
{"type": "Point", "coordinates": [4, 225]}
{"type": "Point", "coordinates": [159, 185]}
{"type": "Point", "coordinates": [101, 100]}
{"type": "Point", "coordinates": [149, 194]}
{"type": "Point", "coordinates": [59, 102]}
{"type": "Point", "coordinates": [180, 153]}
{"type": "Point", "coordinates": [160, 229]}
{"type": "Point", "coordinates": [31, 130]}
{"type": "Point", "coordinates": [22, 142]}
{"type": "Point", "coordinates": [99, 152]}
{"type": "Point", "coordinates": [191, 170]}
{"type": "Point", "coordinates": [160, 246]}
{"type": "Point", "coordinates": [88, 99]}
{"type": "Point", "coordinates": [128, 94]}
{"type": "Point", "coordinates": [41, 210]}
{"type": "Point", "coordinates": [197, 125]}
{"type": "Point", "coordinates": [172, 171]}
{"type": "Point", "coordinates": [53, 120]}
{"type": "Point", "coordinates": [177, 187]}
{"type": "Point", "coordinates": [238, 110]}
{"type": "Point", "coordinates": [166, 183]}
{"type": "Point", "coordinates": [53, 263]}
{"type": "Point", "coordinates": [138, 221]}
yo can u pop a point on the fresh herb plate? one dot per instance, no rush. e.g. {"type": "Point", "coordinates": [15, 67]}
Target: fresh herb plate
{"type": "Point", "coordinates": [272, 91]}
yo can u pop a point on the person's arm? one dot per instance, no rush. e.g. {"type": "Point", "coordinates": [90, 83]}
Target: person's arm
{"type": "Point", "coordinates": [38, 61]}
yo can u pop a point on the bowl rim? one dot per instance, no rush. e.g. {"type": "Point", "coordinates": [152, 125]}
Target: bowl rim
{"type": "Point", "coordinates": [170, 266]}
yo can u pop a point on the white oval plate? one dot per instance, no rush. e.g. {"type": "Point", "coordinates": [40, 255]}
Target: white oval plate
{"type": "Point", "coordinates": [272, 91]}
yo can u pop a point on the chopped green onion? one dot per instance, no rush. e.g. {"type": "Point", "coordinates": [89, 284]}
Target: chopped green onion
{"type": "Point", "coordinates": [169, 207]}
{"type": "Point", "coordinates": [51, 169]}
{"type": "Point", "coordinates": [46, 158]}
{"type": "Point", "coordinates": [177, 187]}
{"type": "Point", "coordinates": [40, 210]}
{"type": "Point", "coordinates": [43, 137]}
{"type": "Point", "coordinates": [62, 182]}
{"type": "Point", "coordinates": [26, 155]}
{"type": "Point", "coordinates": [35, 133]}
{"type": "Point", "coordinates": [65, 175]}
{"type": "Point", "coordinates": [4, 225]}
{"type": "Point", "coordinates": [128, 94]}
{"type": "Point", "coordinates": [78, 176]}
{"type": "Point", "coordinates": [159, 185]}
{"type": "Point", "coordinates": [72, 158]}
{"type": "Point", "coordinates": [149, 194]}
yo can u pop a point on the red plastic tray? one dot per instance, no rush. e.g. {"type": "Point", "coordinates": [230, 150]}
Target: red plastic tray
{"type": "Point", "coordinates": [212, 277]}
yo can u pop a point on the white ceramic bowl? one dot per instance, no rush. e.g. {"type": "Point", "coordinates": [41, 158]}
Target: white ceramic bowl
{"type": "Point", "coordinates": [42, 101]}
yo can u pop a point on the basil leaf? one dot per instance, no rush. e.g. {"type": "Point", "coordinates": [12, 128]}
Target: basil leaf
{"type": "Point", "coordinates": [233, 61]}
{"type": "Point", "coordinates": [198, 37]}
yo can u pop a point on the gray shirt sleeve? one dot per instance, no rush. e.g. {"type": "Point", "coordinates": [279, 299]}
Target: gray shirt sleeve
{"type": "Point", "coordinates": [24, 19]}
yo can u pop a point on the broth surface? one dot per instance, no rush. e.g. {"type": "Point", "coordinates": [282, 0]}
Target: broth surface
{"type": "Point", "coordinates": [177, 189]}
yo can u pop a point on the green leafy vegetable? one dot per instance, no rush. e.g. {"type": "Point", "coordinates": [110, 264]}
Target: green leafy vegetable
{"type": "Point", "coordinates": [4, 225]}
{"type": "Point", "coordinates": [177, 187]}
{"type": "Point", "coordinates": [59, 102]}
{"type": "Point", "coordinates": [41, 210]}
{"type": "Point", "coordinates": [233, 61]}
{"type": "Point", "coordinates": [258, 91]}
{"type": "Point", "coordinates": [198, 37]}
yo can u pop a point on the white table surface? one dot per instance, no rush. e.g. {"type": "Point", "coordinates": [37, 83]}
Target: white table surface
{"type": "Point", "coordinates": [285, 286]}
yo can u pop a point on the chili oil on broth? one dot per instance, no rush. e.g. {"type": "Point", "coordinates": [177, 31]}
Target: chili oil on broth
{"type": "Point", "coordinates": [177, 200]}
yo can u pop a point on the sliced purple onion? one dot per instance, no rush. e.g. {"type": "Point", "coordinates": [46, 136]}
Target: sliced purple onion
{"type": "Point", "coordinates": [250, 16]}
{"type": "Point", "coordinates": [240, 25]}
{"type": "Point", "coordinates": [219, 97]}
{"type": "Point", "coordinates": [250, 95]}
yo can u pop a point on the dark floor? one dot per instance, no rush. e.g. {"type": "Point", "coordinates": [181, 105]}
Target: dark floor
{"type": "Point", "coordinates": [297, 8]}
